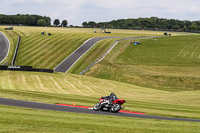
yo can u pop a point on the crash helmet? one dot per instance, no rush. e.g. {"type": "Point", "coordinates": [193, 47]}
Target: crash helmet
{"type": "Point", "coordinates": [112, 94]}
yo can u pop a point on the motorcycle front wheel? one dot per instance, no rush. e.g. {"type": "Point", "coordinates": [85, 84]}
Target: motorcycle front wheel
{"type": "Point", "coordinates": [115, 108]}
{"type": "Point", "coordinates": [97, 107]}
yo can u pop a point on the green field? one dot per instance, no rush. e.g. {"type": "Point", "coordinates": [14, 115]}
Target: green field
{"type": "Point", "coordinates": [20, 120]}
{"type": "Point", "coordinates": [160, 77]}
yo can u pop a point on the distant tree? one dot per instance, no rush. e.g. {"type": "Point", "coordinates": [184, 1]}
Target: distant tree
{"type": "Point", "coordinates": [85, 24]}
{"type": "Point", "coordinates": [41, 22]}
{"type": "Point", "coordinates": [48, 20]}
{"type": "Point", "coordinates": [64, 23]}
{"type": "Point", "coordinates": [56, 22]}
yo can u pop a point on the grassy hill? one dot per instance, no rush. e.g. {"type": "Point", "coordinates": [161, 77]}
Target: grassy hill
{"type": "Point", "coordinates": [48, 51]}
{"type": "Point", "coordinates": [169, 63]}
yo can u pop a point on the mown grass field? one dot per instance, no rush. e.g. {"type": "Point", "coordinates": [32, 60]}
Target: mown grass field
{"type": "Point", "coordinates": [67, 89]}
{"type": "Point", "coordinates": [21, 120]}
{"type": "Point", "coordinates": [169, 63]}
{"type": "Point", "coordinates": [48, 51]}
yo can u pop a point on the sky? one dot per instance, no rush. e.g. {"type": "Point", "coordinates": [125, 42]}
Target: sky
{"type": "Point", "coordinates": [78, 11]}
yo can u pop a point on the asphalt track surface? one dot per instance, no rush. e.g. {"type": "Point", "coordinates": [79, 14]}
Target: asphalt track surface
{"type": "Point", "coordinates": [65, 65]}
{"type": "Point", "coordinates": [53, 107]}
{"type": "Point", "coordinates": [4, 46]}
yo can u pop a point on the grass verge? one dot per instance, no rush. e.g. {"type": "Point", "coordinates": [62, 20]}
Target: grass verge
{"type": "Point", "coordinates": [30, 120]}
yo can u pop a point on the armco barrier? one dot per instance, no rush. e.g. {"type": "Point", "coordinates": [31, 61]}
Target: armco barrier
{"type": "Point", "coordinates": [25, 68]}
{"type": "Point", "coordinates": [3, 67]}
{"type": "Point", "coordinates": [16, 51]}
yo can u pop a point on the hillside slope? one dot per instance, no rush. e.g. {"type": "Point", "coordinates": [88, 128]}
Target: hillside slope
{"type": "Point", "coordinates": [43, 51]}
{"type": "Point", "coordinates": [67, 88]}
{"type": "Point", "coordinates": [170, 63]}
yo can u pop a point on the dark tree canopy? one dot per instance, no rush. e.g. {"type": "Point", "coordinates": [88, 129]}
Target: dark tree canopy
{"type": "Point", "coordinates": [24, 19]}
{"type": "Point", "coordinates": [56, 22]}
{"type": "Point", "coordinates": [41, 22]}
{"type": "Point", "coordinates": [85, 24]}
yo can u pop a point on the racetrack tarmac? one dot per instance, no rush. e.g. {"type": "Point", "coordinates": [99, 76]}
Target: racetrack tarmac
{"type": "Point", "coordinates": [43, 106]}
{"type": "Point", "coordinates": [4, 46]}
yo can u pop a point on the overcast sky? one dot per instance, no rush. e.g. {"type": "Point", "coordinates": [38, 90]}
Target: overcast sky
{"type": "Point", "coordinates": [78, 11]}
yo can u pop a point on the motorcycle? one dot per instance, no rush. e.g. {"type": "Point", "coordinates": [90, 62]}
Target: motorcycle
{"type": "Point", "coordinates": [105, 105]}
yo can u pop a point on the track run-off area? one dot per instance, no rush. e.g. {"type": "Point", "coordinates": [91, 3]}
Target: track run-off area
{"type": "Point", "coordinates": [4, 47]}
{"type": "Point", "coordinates": [64, 108]}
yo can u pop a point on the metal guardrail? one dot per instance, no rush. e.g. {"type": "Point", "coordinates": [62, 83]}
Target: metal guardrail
{"type": "Point", "coordinates": [108, 51]}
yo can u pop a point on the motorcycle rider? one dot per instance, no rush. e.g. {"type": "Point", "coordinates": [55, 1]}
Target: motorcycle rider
{"type": "Point", "coordinates": [111, 98]}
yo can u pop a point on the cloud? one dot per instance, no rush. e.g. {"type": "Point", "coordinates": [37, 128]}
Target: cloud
{"type": "Point", "coordinates": [77, 11]}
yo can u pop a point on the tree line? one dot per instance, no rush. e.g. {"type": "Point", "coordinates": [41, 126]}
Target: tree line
{"type": "Point", "coordinates": [153, 23]}
{"type": "Point", "coordinates": [25, 19]}
{"type": "Point", "coordinates": [29, 20]}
